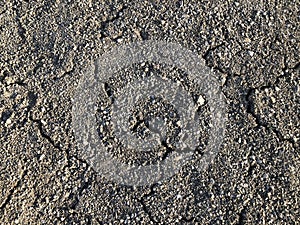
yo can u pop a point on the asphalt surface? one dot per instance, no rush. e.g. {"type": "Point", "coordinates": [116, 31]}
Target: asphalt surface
{"type": "Point", "coordinates": [45, 47]}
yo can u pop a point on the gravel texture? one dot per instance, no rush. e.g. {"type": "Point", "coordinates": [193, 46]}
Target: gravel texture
{"type": "Point", "coordinates": [45, 47]}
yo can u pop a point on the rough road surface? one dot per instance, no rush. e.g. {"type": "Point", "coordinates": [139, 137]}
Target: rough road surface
{"type": "Point", "coordinates": [254, 50]}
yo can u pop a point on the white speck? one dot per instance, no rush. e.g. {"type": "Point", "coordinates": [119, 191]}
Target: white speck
{"type": "Point", "coordinates": [8, 122]}
{"type": "Point", "coordinates": [247, 40]}
{"type": "Point", "coordinates": [6, 94]}
{"type": "Point", "coordinates": [251, 53]}
{"type": "Point", "coordinates": [178, 158]}
{"type": "Point", "coordinates": [201, 100]}
{"type": "Point", "coordinates": [273, 99]}
{"type": "Point", "coordinates": [179, 196]}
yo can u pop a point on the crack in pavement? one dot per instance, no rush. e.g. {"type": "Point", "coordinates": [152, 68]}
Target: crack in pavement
{"type": "Point", "coordinates": [242, 217]}
{"type": "Point", "coordinates": [66, 73]}
{"type": "Point", "coordinates": [229, 75]}
{"type": "Point", "coordinates": [21, 29]}
{"type": "Point", "coordinates": [105, 23]}
{"type": "Point", "coordinates": [89, 182]}
{"type": "Point", "coordinates": [17, 82]}
{"type": "Point", "coordinates": [43, 134]}
{"type": "Point", "coordinates": [188, 220]}
{"type": "Point", "coordinates": [85, 184]}
{"type": "Point", "coordinates": [250, 108]}
{"type": "Point", "coordinates": [210, 49]}
{"type": "Point", "coordinates": [145, 209]}
{"type": "Point", "coordinates": [250, 92]}
{"type": "Point", "coordinates": [12, 190]}
{"type": "Point", "coordinates": [57, 145]}
{"type": "Point", "coordinates": [260, 123]}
